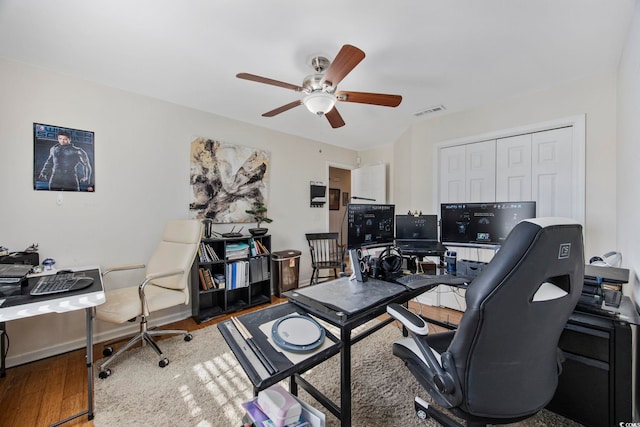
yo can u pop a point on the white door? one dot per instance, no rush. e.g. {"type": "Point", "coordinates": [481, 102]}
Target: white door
{"type": "Point", "coordinates": [481, 171]}
{"type": "Point", "coordinates": [552, 173]}
{"type": "Point", "coordinates": [369, 182]}
{"type": "Point", "coordinates": [513, 168]}
{"type": "Point", "coordinates": [452, 174]}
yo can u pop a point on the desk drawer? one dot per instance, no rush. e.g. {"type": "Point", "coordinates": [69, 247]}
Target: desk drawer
{"type": "Point", "coordinates": [587, 342]}
{"type": "Point", "coordinates": [582, 393]}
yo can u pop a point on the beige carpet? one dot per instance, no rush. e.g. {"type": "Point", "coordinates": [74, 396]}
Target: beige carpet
{"type": "Point", "coordinates": [204, 385]}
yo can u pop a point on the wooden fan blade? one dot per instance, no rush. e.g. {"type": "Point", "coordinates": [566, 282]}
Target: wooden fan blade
{"type": "Point", "coordinates": [345, 61]}
{"type": "Point", "coordinates": [265, 80]}
{"type": "Point", "coordinates": [335, 119]}
{"type": "Point", "coordinates": [282, 109]}
{"type": "Point", "coordinates": [369, 98]}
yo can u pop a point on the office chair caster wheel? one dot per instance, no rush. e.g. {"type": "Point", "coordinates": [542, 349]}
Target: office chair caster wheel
{"type": "Point", "coordinates": [104, 374]}
{"type": "Point", "coordinates": [107, 351]}
{"type": "Point", "coordinates": [188, 337]}
{"type": "Point", "coordinates": [422, 414]}
{"type": "Point", "coordinates": [164, 362]}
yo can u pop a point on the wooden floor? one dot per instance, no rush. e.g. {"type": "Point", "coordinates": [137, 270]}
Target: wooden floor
{"type": "Point", "coordinates": [46, 391]}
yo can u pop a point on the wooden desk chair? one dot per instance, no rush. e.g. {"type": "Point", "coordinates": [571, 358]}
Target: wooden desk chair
{"type": "Point", "coordinates": [326, 254]}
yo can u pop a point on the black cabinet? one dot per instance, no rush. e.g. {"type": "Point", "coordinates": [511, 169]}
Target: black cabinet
{"type": "Point", "coordinates": [230, 274]}
{"type": "Point", "coordinates": [596, 387]}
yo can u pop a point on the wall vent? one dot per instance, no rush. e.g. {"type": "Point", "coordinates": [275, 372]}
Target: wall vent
{"type": "Point", "coordinates": [430, 110]}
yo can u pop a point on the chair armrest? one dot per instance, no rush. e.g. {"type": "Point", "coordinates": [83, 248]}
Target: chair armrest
{"type": "Point", "coordinates": [162, 274]}
{"type": "Point", "coordinates": [445, 382]}
{"type": "Point", "coordinates": [409, 320]}
{"type": "Point", "coordinates": [122, 268]}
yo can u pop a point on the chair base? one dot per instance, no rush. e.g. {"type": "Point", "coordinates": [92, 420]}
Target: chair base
{"type": "Point", "coordinates": [424, 410]}
{"type": "Point", "coordinates": [144, 336]}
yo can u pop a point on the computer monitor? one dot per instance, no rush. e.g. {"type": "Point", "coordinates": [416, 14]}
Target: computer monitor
{"type": "Point", "coordinates": [416, 227]}
{"type": "Point", "coordinates": [481, 224]}
{"type": "Point", "coordinates": [370, 225]}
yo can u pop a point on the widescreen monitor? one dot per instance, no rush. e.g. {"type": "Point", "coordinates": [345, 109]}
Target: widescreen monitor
{"type": "Point", "coordinates": [481, 224]}
{"type": "Point", "coordinates": [370, 225]}
{"type": "Point", "coordinates": [416, 227]}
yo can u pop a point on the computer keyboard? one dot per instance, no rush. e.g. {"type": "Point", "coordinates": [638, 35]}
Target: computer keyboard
{"type": "Point", "coordinates": [408, 278]}
{"type": "Point", "coordinates": [418, 280]}
{"type": "Point", "coordinates": [63, 282]}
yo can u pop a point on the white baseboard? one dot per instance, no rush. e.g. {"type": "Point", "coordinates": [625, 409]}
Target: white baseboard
{"type": "Point", "coordinates": [119, 331]}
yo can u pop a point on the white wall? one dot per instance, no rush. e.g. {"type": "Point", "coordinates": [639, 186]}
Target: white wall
{"type": "Point", "coordinates": [627, 172]}
{"type": "Point", "coordinates": [596, 98]}
{"type": "Point", "coordinates": [142, 180]}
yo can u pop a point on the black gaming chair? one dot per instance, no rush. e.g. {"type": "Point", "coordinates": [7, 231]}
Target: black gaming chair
{"type": "Point", "coordinates": [502, 363]}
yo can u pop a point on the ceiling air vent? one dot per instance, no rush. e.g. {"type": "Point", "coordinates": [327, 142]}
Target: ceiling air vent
{"type": "Point", "coordinates": [430, 110]}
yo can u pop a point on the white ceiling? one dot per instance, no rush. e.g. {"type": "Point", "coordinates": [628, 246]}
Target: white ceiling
{"type": "Point", "coordinates": [458, 53]}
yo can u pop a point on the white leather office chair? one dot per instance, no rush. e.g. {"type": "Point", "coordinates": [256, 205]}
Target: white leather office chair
{"type": "Point", "coordinates": [166, 284]}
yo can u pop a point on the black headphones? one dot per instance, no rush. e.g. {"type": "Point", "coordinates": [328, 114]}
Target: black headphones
{"type": "Point", "coordinates": [391, 260]}
{"type": "Point", "coordinates": [610, 259]}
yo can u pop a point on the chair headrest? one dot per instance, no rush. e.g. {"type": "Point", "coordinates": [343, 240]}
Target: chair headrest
{"type": "Point", "coordinates": [182, 231]}
{"type": "Point", "coordinates": [551, 221]}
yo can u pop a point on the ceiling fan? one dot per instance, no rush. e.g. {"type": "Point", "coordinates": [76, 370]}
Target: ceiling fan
{"type": "Point", "coordinates": [320, 88]}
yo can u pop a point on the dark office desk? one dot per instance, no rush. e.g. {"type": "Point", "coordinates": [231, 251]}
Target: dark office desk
{"type": "Point", "coordinates": [284, 367]}
{"type": "Point", "coordinates": [596, 387]}
{"type": "Point", "coordinates": [24, 305]}
{"type": "Point", "coordinates": [343, 303]}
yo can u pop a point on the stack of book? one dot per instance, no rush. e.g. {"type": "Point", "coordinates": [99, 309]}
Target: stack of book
{"type": "Point", "coordinates": [206, 253]}
{"type": "Point", "coordinates": [210, 281]}
{"type": "Point", "coordinates": [257, 248]}
{"type": "Point", "coordinates": [238, 250]}
{"type": "Point", "coordinates": [237, 274]}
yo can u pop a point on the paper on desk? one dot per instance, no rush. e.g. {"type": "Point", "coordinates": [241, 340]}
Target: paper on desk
{"type": "Point", "coordinates": [293, 357]}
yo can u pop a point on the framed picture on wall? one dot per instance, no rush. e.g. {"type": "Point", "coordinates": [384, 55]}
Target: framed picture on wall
{"type": "Point", "coordinates": [345, 198]}
{"type": "Point", "coordinates": [63, 159]}
{"type": "Point", "coordinates": [334, 199]}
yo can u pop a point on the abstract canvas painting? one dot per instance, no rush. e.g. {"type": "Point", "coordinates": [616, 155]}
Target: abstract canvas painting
{"type": "Point", "coordinates": [226, 180]}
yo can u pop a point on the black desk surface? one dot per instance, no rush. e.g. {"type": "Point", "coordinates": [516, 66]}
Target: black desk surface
{"type": "Point", "coordinates": [15, 294]}
{"type": "Point", "coordinates": [348, 296]}
{"type": "Point", "coordinates": [284, 367]}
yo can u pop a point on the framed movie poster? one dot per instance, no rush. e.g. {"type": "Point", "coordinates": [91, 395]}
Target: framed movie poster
{"type": "Point", "coordinates": [63, 159]}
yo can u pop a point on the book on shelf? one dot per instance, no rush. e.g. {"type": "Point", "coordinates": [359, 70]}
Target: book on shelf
{"type": "Point", "coordinates": [211, 252]}
{"type": "Point", "coordinates": [201, 253]}
{"type": "Point", "coordinates": [206, 280]}
{"type": "Point", "coordinates": [257, 247]}
{"type": "Point", "coordinates": [206, 253]}
{"type": "Point", "coordinates": [237, 250]}
{"type": "Point", "coordinates": [258, 269]}
{"type": "Point", "coordinates": [237, 274]}
{"type": "Point", "coordinates": [203, 281]}
{"type": "Point", "coordinates": [209, 280]}
{"type": "Point", "coordinates": [263, 248]}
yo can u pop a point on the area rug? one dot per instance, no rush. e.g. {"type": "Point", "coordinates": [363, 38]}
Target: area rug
{"type": "Point", "coordinates": [204, 386]}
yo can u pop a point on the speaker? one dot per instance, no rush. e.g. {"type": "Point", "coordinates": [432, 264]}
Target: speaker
{"type": "Point", "coordinates": [29, 258]}
{"type": "Point", "coordinates": [358, 265]}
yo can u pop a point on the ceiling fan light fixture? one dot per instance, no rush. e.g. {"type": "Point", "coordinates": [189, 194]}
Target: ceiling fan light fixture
{"type": "Point", "coordinates": [319, 103]}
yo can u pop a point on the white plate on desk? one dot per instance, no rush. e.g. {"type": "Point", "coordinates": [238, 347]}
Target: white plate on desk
{"type": "Point", "coordinates": [297, 333]}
